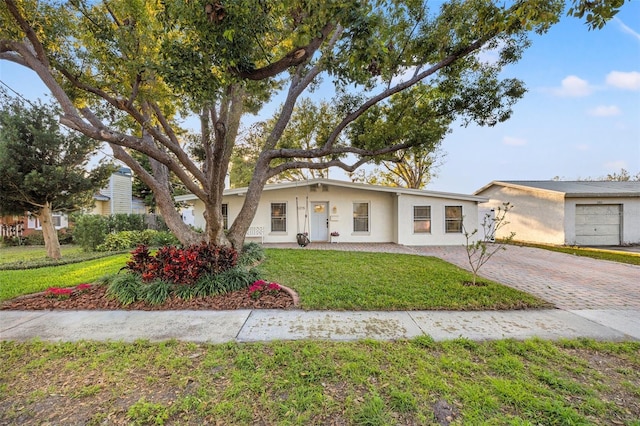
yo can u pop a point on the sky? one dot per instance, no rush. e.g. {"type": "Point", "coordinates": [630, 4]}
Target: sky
{"type": "Point", "coordinates": [579, 119]}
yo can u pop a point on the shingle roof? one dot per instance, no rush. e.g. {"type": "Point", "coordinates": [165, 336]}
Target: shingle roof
{"type": "Point", "coordinates": [573, 189]}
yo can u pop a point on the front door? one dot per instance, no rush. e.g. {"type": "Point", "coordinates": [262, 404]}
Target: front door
{"type": "Point", "coordinates": [319, 221]}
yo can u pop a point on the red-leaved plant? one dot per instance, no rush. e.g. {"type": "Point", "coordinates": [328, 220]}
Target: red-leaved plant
{"type": "Point", "coordinates": [260, 287]}
{"type": "Point", "coordinates": [65, 293]}
{"type": "Point", "coordinates": [182, 265]}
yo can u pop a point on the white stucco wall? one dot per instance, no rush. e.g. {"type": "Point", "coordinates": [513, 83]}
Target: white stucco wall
{"type": "Point", "coordinates": [390, 215]}
{"type": "Point", "coordinates": [630, 220]}
{"type": "Point", "coordinates": [437, 236]}
{"type": "Point", "coordinates": [536, 216]}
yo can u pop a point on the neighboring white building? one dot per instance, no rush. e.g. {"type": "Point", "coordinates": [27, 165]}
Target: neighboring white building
{"type": "Point", "coordinates": [590, 213]}
{"type": "Point", "coordinates": [359, 213]}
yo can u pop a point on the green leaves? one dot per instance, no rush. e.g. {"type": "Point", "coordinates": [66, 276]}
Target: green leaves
{"type": "Point", "coordinates": [39, 163]}
{"type": "Point", "coordinates": [595, 12]}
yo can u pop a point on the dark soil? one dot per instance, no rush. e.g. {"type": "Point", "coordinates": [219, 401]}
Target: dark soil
{"type": "Point", "coordinates": [95, 298]}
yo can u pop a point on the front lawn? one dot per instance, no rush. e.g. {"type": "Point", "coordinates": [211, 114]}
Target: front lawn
{"type": "Point", "coordinates": [340, 280]}
{"type": "Point", "coordinates": [421, 382]}
{"type": "Point", "coordinates": [29, 257]}
{"type": "Point", "coordinates": [18, 282]}
{"type": "Point", "coordinates": [324, 280]}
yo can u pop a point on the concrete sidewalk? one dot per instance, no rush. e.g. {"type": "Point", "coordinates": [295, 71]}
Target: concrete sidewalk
{"type": "Point", "coordinates": [268, 325]}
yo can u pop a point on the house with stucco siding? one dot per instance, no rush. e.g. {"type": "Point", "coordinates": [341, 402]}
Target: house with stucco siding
{"type": "Point", "coordinates": [588, 213]}
{"type": "Point", "coordinates": [352, 212]}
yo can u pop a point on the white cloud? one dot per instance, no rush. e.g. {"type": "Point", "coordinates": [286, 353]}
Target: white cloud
{"type": "Point", "coordinates": [573, 86]}
{"type": "Point", "coordinates": [626, 29]}
{"type": "Point", "coordinates": [624, 80]}
{"type": "Point", "coordinates": [508, 140]}
{"type": "Point", "coordinates": [604, 111]}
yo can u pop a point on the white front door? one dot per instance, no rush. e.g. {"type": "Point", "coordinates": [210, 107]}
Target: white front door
{"type": "Point", "coordinates": [319, 221]}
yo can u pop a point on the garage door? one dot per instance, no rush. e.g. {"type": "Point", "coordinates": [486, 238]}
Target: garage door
{"type": "Point", "coordinates": [598, 224]}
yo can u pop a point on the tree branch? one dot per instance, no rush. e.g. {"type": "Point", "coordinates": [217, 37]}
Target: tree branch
{"type": "Point", "coordinates": [295, 57]}
{"type": "Point", "coordinates": [29, 32]}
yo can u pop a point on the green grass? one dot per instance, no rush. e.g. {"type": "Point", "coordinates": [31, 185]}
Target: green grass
{"type": "Point", "coordinates": [18, 282]}
{"type": "Point", "coordinates": [324, 280]}
{"type": "Point", "coordinates": [305, 383]}
{"type": "Point", "coordinates": [382, 281]}
{"type": "Point", "coordinates": [602, 254]}
{"type": "Point", "coordinates": [29, 257]}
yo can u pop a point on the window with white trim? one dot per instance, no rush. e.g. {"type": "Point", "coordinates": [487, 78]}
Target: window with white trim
{"type": "Point", "coordinates": [360, 217]}
{"type": "Point", "coordinates": [453, 219]}
{"type": "Point", "coordinates": [278, 217]}
{"type": "Point", "coordinates": [421, 219]}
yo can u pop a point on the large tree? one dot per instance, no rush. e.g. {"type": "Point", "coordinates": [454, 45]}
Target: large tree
{"type": "Point", "coordinates": [43, 169]}
{"type": "Point", "coordinates": [408, 168]}
{"type": "Point", "coordinates": [125, 71]}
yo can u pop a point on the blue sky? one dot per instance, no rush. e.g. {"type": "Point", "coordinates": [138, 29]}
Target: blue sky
{"type": "Point", "coordinates": [579, 119]}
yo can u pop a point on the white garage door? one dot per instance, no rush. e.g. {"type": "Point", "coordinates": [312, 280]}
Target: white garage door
{"type": "Point", "coordinates": [598, 224]}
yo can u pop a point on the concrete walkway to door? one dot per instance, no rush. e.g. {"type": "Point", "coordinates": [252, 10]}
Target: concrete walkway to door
{"type": "Point", "coordinates": [569, 282]}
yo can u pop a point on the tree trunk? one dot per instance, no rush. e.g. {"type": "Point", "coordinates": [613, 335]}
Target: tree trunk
{"type": "Point", "coordinates": [238, 231]}
{"type": "Point", "coordinates": [51, 243]}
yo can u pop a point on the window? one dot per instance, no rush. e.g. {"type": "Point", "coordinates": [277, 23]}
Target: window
{"type": "Point", "coordinates": [57, 220]}
{"type": "Point", "coordinates": [225, 216]}
{"type": "Point", "coordinates": [453, 219]}
{"type": "Point", "coordinates": [278, 217]}
{"type": "Point", "coordinates": [421, 219]}
{"type": "Point", "coordinates": [360, 217]}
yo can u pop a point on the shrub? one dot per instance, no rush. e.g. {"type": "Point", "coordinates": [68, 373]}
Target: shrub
{"type": "Point", "coordinates": [120, 241]}
{"type": "Point", "coordinates": [35, 238]}
{"type": "Point", "coordinates": [163, 238]}
{"type": "Point", "coordinates": [65, 236]}
{"type": "Point", "coordinates": [125, 222]}
{"type": "Point", "coordinates": [90, 231]}
{"type": "Point", "coordinates": [251, 253]}
{"type": "Point", "coordinates": [182, 266]}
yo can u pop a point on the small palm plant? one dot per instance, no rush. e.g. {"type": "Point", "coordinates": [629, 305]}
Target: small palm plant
{"type": "Point", "coordinates": [481, 250]}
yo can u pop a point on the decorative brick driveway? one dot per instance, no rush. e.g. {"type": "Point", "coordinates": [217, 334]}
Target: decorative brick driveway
{"type": "Point", "coordinates": [569, 282]}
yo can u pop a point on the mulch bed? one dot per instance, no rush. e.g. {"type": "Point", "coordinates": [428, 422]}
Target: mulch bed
{"type": "Point", "coordinates": [95, 298]}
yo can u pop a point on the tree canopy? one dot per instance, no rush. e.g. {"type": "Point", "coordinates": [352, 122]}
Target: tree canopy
{"type": "Point", "coordinates": [125, 72]}
{"type": "Point", "coordinates": [43, 169]}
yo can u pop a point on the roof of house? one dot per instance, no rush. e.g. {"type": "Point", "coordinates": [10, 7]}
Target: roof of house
{"type": "Point", "coordinates": [351, 185]}
{"type": "Point", "coordinates": [573, 189]}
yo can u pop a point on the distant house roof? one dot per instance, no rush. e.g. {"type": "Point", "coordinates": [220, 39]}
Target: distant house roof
{"type": "Point", "coordinates": [574, 189]}
{"type": "Point", "coordinates": [351, 185]}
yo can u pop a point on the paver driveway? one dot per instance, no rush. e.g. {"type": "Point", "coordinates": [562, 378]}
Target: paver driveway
{"type": "Point", "coordinates": [569, 282]}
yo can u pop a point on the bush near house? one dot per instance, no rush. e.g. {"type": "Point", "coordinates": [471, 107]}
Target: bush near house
{"type": "Point", "coordinates": [126, 240]}
{"type": "Point", "coordinates": [120, 231]}
{"type": "Point", "coordinates": [35, 238]}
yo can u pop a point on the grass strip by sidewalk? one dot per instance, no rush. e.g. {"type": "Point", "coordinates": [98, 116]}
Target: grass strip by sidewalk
{"type": "Point", "coordinates": [314, 383]}
{"type": "Point", "coordinates": [594, 253]}
{"type": "Point", "coordinates": [18, 282]}
{"type": "Point", "coordinates": [339, 280]}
